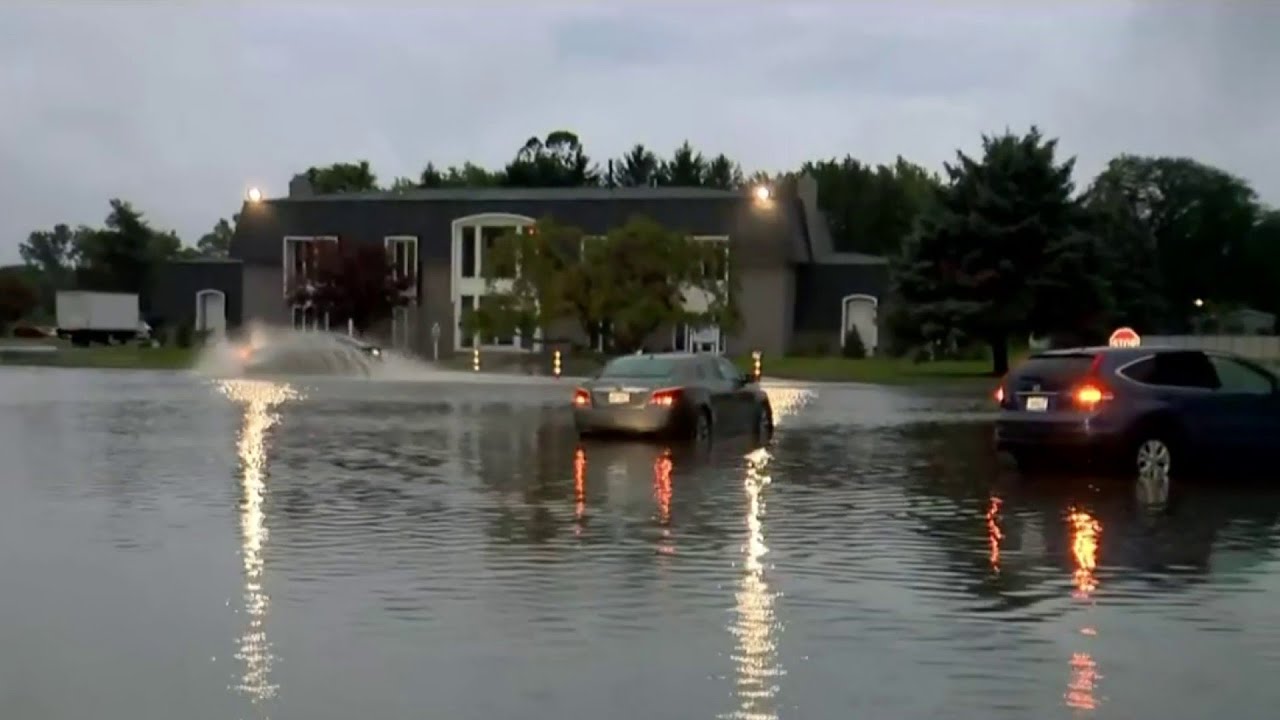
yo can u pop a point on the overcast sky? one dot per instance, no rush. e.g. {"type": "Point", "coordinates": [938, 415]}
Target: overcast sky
{"type": "Point", "coordinates": [179, 107]}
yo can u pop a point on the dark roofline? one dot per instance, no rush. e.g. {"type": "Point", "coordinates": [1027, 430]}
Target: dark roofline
{"type": "Point", "coordinates": [527, 194]}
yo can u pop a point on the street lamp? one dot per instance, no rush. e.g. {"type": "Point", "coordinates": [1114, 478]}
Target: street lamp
{"type": "Point", "coordinates": [1199, 302]}
{"type": "Point", "coordinates": [254, 195]}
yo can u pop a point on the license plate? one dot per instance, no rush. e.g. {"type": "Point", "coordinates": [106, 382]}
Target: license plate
{"type": "Point", "coordinates": [618, 398]}
{"type": "Point", "coordinates": [1037, 404]}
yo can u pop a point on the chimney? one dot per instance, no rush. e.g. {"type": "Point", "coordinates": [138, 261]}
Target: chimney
{"type": "Point", "coordinates": [300, 186]}
{"type": "Point", "coordinates": [807, 190]}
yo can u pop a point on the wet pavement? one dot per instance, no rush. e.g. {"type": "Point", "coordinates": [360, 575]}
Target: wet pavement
{"type": "Point", "coordinates": [172, 546]}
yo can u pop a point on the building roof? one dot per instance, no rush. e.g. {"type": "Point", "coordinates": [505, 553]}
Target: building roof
{"type": "Point", "coordinates": [523, 194]}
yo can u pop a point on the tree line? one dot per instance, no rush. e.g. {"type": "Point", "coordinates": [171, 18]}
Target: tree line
{"type": "Point", "coordinates": [1000, 244]}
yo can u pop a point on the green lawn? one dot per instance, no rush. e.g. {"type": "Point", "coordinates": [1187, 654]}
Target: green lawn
{"type": "Point", "coordinates": [879, 371]}
{"type": "Point", "coordinates": [119, 356]}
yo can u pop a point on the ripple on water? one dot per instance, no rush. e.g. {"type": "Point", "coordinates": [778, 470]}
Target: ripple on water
{"type": "Point", "coordinates": [390, 546]}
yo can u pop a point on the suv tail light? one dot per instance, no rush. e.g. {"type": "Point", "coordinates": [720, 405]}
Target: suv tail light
{"type": "Point", "coordinates": [664, 398]}
{"type": "Point", "coordinates": [1091, 392]}
{"type": "Point", "coordinates": [999, 394]}
{"type": "Point", "coordinates": [581, 398]}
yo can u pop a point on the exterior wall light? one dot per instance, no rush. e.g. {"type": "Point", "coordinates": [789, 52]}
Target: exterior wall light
{"type": "Point", "coordinates": [762, 193]}
{"type": "Point", "coordinates": [254, 195]}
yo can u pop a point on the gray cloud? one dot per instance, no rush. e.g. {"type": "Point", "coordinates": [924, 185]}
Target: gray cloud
{"type": "Point", "coordinates": [180, 107]}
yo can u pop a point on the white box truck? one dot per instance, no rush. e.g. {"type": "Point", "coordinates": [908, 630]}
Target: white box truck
{"type": "Point", "coordinates": [97, 317]}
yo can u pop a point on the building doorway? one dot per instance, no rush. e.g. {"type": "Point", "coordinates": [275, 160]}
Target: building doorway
{"type": "Point", "coordinates": [211, 313]}
{"type": "Point", "coordinates": [858, 314]}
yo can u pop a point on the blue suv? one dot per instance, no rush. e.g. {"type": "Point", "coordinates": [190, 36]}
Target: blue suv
{"type": "Point", "coordinates": [1139, 409]}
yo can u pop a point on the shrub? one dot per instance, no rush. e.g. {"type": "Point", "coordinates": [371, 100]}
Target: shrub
{"type": "Point", "coordinates": [853, 346]}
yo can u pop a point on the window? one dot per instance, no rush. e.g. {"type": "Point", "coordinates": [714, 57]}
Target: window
{"type": "Point", "coordinates": [307, 317]}
{"type": "Point", "coordinates": [402, 251]}
{"type": "Point", "coordinates": [1053, 373]}
{"type": "Point", "coordinates": [680, 338]}
{"type": "Point", "coordinates": [400, 327]}
{"type": "Point", "coordinates": [466, 304]}
{"type": "Point", "coordinates": [728, 371]}
{"type": "Point", "coordinates": [469, 255]}
{"type": "Point", "coordinates": [715, 266]}
{"type": "Point", "coordinates": [1174, 369]}
{"type": "Point", "coordinates": [639, 366]}
{"type": "Point", "coordinates": [1237, 378]}
{"type": "Point", "coordinates": [491, 237]}
{"type": "Point", "coordinates": [496, 340]}
{"type": "Point", "coordinates": [600, 335]}
{"type": "Point", "coordinates": [301, 256]}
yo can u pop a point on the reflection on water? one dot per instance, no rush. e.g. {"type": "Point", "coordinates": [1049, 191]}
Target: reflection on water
{"type": "Point", "coordinates": [662, 466]}
{"type": "Point", "coordinates": [756, 654]}
{"type": "Point", "coordinates": [1085, 533]}
{"type": "Point", "coordinates": [994, 534]}
{"type": "Point", "coordinates": [258, 399]}
{"type": "Point", "coordinates": [454, 551]}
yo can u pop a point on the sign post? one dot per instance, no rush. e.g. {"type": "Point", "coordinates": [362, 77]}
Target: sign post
{"type": "Point", "coordinates": [435, 342]}
{"type": "Point", "coordinates": [1125, 337]}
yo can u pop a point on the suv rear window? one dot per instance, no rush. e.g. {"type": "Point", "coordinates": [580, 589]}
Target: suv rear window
{"type": "Point", "coordinates": [639, 366]}
{"type": "Point", "coordinates": [1051, 372]}
{"type": "Point", "coordinates": [1187, 369]}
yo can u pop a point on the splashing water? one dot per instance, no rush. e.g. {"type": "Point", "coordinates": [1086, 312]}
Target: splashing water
{"type": "Point", "coordinates": [266, 351]}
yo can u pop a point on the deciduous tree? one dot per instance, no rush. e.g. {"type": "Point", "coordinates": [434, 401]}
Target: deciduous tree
{"type": "Point", "coordinates": [342, 177]}
{"type": "Point", "coordinates": [18, 298]}
{"type": "Point", "coordinates": [356, 283]}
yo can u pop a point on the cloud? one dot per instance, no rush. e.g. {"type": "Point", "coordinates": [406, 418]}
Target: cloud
{"type": "Point", "coordinates": [179, 107]}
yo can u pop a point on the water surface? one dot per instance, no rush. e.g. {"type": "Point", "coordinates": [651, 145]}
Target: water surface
{"type": "Point", "coordinates": [175, 546]}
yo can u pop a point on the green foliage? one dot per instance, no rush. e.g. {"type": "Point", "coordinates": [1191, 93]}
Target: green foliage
{"type": "Point", "coordinates": [631, 282]}
{"type": "Point", "coordinates": [217, 242]}
{"type": "Point", "coordinates": [354, 283]}
{"type": "Point", "coordinates": [1001, 249]}
{"type": "Point", "coordinates": [342, 178]}
{"type": "Point", "coordinates": [853, 345]}
{"type": "Point", "coordinates": [18, 298]}
{"type": "Point", "coordinates": [872, 209]}
{"type": "Point", "coordinates": [1178, 230]}
{"type": "Point", "coordinates": [557, 161]}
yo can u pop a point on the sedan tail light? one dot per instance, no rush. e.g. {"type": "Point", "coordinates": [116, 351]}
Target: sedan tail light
{"type": "Point", "coordinates": [581, 398]}
{"type": "Point", "coordinates": [665, 397]}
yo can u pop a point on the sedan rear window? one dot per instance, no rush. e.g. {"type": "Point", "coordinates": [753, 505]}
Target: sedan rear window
{"type": "Point", "coordinates": [1052, 372]}
{"type": "Point", "coordinates": [639, 366]}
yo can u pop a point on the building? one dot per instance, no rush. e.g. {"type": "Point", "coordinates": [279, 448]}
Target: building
{"type": "Point", "coordinates": [794, 290]}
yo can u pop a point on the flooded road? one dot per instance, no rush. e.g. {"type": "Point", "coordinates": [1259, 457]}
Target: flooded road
{"type": "Point", "coordinates": [172, 546]}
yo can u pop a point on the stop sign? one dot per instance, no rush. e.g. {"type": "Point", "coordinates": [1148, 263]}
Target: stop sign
{"type": "Point", "coordinates": [1125, 337]}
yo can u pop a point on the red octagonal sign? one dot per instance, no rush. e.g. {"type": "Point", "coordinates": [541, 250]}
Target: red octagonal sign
{"type": "Point", "coordinates": [1125, 337]}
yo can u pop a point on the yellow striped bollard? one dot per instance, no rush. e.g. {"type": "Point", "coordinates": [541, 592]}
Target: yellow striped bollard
{"type": "Point", "coordinates": [755, 365]}
{"type": "Point", "coordinates": [475, 359]}
{"type": "Point", "coordinates": [555, 363]}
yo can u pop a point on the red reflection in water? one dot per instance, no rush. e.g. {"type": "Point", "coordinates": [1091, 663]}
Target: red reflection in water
{"type": "Point", "coordinates": [662, 494]}
{"type": "Point", "coordinates": [1084, 680]}
{"type": "Point", "coordinates": [1085, 535]}
{"type": "Point", "coordinates": [579, 488]}
{"type": "Point", "coordinates": [994, 534]}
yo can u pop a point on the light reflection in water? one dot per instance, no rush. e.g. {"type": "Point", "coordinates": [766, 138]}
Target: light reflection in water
{"type": "Point", "coordinates": [1086, 533]}
{"type": "Point", "coordinates": [258, 399]}
{"type": "Point", "coordinates": [994, 533]}
{"type": "Point", "coordinates": [579, 489]}
{"type": "Point", "coordinates": [662, 495]}
{"type": "Point", "coordinates": [756, 628]}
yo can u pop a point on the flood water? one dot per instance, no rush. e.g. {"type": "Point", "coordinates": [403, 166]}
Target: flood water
{"type": "Point", "coordinates": [172, 546]}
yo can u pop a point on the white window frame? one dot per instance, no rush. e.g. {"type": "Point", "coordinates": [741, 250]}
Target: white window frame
{"type": "Point", "coordinates": [719, 239]}
{"type": "Point", "coordinates": [844, 318]}
{"type": "Point", "coordinates": [315, 321]}
{"type": "Point", "coordinates": [685, 331]}
{"type": "Point", "coordinates": [389, 243]}
{"type": "Point", "coordinates": [286, 258]}
{"type": "Point", "coordinates": [477, 286]}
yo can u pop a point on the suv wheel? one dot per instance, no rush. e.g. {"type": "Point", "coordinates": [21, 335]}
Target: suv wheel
{"type": "Point", "coordinates": [1153, 456]}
